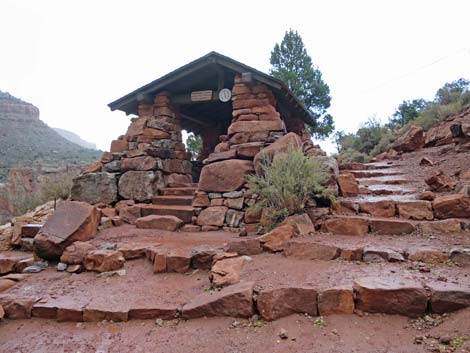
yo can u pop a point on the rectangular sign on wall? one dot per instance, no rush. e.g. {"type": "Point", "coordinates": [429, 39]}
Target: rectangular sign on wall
{"type": "Point", "coordinates": [199, 96]}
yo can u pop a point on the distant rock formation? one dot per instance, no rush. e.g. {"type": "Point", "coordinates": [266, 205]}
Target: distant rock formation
{"type": "Point", "coordinates": [28, 144]}
{"type": "Point", "coordinates": [73, 137]}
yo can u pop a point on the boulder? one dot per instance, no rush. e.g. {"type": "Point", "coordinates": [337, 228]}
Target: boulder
{"type": "Point", "coordinates": [202, 257]}
{"type": "Point", "coordinates": [17, 307]}
{"type": "Point", "coordinates": [332, 169]}
{"type": "Point", "coordinates": [337, 300]}
{"type": "Point", "coordinates": [6, 283]}
{"type": "Point", "coordinates": [130, 214]}
{"type": "Point", "coordinates": [14, 261]}
{"type": "Point", "coordinates": [290, 140]}
{"type": "Point", "coordinates": [227, 271]}
{"type": "Point", "coordinates": [381, 254]}
{"type": "Point", "coordinates": [275, 303]}
{"type": "Point", "coordinates": [448, 297]}
{"type": "Point", "coordinates": [303, 222]}
{"type": "Point", "coordinates": [104, 260]}
{"type": "Point", "coordinates": [426, 162]}
{"type": "Point", "coordinates": [140, 185]}
{"type": "Point", "coordinates": [451, 206]}
{"type": "Point", "coordinates": [420, 210]}
{"type": "Point", "coordinates": [411, 140]}
{"type": "Point", "coordinates": [276, 239]}
{"type": "Point", "coordinates": [228, 175]}
{"type": "Point", "coordinates": [212, 216]}
{"type": "Point", "coordinates": [439, 134]}
{"type": "Point", "coordinates": [72, 221]}
{"type": "Point", "coordinates": [169, 223]}
{"type": "Point", "coordinates": [348, 185]}
{"type": "Point", "coordinates": [75, 253]}
{"type": "Point", "coordinates": [460, 256]}
{"type": "Point", "coordinates": [235, 301]}
{"type": "Point", "coordinates": [95, 188]}
{"type": "Point", "coordinates": [440, 182]}
{"type": "Point", "coordinates": [394, 296]}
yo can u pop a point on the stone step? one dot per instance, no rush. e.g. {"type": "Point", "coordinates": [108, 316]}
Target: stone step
{"type": "Point", "coordinates": [385, 180]}
{"type": "Point", "coordinates": [375, 249]}
{"type": "Point", "coordinates": [183, 191]}
{"type": "Point", "coordinates": [383, 189]}
{"type": "Point", "coordinates": [173, 200]}
{"type": "Point", "coordinates": [361, 174]}
{"type": "Point", "coordinates": [284, 286]}
{"type": "Point", "coordinates": [366, 166]}
{"type": "Point", "coordinates": [401, 206]}
{"type": "Point", "coordinates": [185, 213]}
{"type": "Point", "coordinates": [363, 224]}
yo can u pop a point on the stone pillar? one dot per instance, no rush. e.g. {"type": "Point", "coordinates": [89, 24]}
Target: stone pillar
{"type": "Point", "coordinates": [223, 195]}
{"type": "Point", "coordinates": [150, 156]}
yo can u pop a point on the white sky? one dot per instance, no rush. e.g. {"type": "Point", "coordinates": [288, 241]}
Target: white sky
{"type": "Point", "coordinates": [71, 58]}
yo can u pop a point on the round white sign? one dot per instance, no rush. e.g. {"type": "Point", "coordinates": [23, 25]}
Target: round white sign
{"type": "Point", "coordinates": [225, 95]}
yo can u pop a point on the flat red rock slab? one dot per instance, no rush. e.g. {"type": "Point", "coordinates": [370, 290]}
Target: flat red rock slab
{"type": "Point", "coordinates": [235, 300]}
{"type": "Point", "coordinates": [275, 303]}
{"type": "Point", "coordinates": [391, 295]}
{"type": "Point", "coordinates": [447, 297]}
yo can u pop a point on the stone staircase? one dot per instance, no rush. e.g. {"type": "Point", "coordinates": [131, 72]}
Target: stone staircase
{"type": "Point", "coordinates": [387, 203]}
{"type": "Point", "coordinates": [173, 201]}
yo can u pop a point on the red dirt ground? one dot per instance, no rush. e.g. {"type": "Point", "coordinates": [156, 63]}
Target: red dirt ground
{"type": "Point", "coordinates": [340, 334]}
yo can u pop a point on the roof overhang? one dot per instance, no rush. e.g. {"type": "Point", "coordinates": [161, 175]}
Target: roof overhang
{"type": "Point", "coordinates": [193, 75]}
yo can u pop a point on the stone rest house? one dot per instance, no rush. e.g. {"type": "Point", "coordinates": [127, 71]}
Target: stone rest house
{"type": "Point", "coordinates": [237, 110]}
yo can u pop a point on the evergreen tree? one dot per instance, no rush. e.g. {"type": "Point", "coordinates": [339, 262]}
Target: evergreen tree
{"type": "Point", "coordinates": [194, 144]}
{"type": "Point", "coordinates": [291, 64]}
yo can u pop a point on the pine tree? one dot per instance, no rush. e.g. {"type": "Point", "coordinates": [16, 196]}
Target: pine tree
{"type": "Point", "coordinates": [291, 64]}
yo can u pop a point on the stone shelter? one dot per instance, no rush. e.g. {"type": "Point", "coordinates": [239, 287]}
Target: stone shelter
{"type": "Point", "coordinates": [240, 113]}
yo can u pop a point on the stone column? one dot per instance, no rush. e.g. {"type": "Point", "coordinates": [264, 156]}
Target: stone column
{"type": "Point", "coordinates": [223, 195]}
{"type": "Point", "coordinates": [150, 156]}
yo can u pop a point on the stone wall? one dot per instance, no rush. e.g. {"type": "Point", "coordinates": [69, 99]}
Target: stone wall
{"type": "Point", "coordinates": [150, 156]}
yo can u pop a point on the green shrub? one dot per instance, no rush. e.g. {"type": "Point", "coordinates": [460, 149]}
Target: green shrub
{"type": "Point", "coordinates": [22, 200]}
{"type": "Point", "coordinates": [288, 183]}
{"type": "Point", "coordinates": [56, 187]}
{"type": "Point", "coordinates": [351, 155]}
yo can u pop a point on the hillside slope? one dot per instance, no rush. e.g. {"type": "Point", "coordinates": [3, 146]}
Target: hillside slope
{"type": "Point", "coordinates": [25, 140]}
{"type": "Point", "coordinates": [73, 137]}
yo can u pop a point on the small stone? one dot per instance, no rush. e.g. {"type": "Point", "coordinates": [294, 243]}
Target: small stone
{"type": "Point", "coordinates": [283, 334]}
{"type": "Point", "coordinates": [159, 322]}
{"type": "Point", "coordinates": [61, 267]}
{"type": "Point", "coordinates": [75, 268]}
{"type": "Point", "coordinates": [36, 267]}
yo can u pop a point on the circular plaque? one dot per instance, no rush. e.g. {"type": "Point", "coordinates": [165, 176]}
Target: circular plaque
{"type": "Point", "coordinates": [225, 94]}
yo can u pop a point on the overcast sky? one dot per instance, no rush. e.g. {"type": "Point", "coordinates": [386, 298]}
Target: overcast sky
{"type": "Point", "coordinates": [71, 58]}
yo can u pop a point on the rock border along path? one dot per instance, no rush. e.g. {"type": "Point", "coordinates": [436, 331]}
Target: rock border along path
{"type": "Point", "coordinates": [396, 294]}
